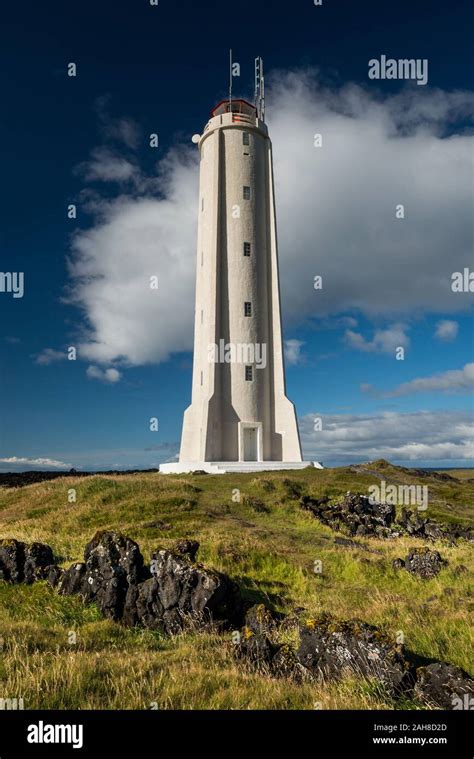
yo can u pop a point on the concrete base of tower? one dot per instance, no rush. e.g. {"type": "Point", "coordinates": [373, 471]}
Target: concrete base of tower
{"type": "Point", "coordinates": [223, 467]}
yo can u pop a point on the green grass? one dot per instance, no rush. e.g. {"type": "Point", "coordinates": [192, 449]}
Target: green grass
{"type": "Point", "coordinates": [270, 554]}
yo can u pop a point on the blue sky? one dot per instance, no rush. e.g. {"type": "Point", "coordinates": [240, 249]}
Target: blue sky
{"type": "Point", "coordinates": [85, 140]}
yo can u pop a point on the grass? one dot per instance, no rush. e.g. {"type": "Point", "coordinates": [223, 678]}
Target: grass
{"type": "Point", "coordinates": [59, 654]}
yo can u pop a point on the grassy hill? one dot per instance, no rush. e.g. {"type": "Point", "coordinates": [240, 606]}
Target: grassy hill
{"type": "Point", "coordinates": [269, 551]}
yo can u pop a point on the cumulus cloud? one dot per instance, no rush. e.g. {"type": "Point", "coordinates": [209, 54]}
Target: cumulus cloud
{"type": "Point", "coordinates": [376, 153]}
{"type": "Point", "coordinates": [422, 436]}
{"type": "Point", "coordinates": [41, 462]}
{"type": "Point", "coordinates": [50, 356]}
{"type": "Point", "coordinates": [110, 375]}
{"type": "Point", "coordinates": [113, 263]}
{"type": "Point", "coordinates": [451, 381]}
{"type": "Point", "coordinates": [106, 166]}
{"type": "Point", "coordinates": [446, 330]}
{"type": "Point", "coordinates": [384, 340]}
{"type": "Point", "coordinates": [293, 353]}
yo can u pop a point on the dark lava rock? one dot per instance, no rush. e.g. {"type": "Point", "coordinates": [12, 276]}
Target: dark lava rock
{"type": "Point", "coordinates": [329, 648]}
{"type": "Point", "coordinates": [38, 556]}
{"type": "Point", "coordinates": [359, 515]}
{"type": "Point", "coordinates": [147, 605]}
{"type": "Point", "coordinates": [424, 563]}
{"type": "Point", "coordinates": [285, 663]}
{"type": "Point", "coordinates": [434, 531]}
{"type": "Point", "coordinates": [53, 574]}
{"type": "Point", "coordinates": [24, 562]}
{"type": "Point", "coordinates": [444, 686]}
{"type": "Point", "coordinates": [356, 514]}
{"type": "Point", "coordinates": [416, 526]}
{"type": "Point", "coordinates": [112, 564]}
{"type": "Point", "coordinates": [113, 576]}
{"type": "Point", "coordinates": [12, 560]}
{"type": "Point", "coordinates": [187, 591]}
{"type": "Point", "coordinates": [73, 580]}
{"type": "Point", "coordinates": [263, 654]}
{"type": "Point", "coordinates": [398, 564]}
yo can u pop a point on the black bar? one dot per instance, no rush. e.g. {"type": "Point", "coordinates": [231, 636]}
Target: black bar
{"type": "Point", "coordinates": [133, 733]}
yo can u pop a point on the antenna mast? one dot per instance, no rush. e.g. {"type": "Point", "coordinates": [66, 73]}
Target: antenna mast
{"type": "Point", "coordinates": [259, 88]}
{"type": "Point", "coordinates": [230, 79]}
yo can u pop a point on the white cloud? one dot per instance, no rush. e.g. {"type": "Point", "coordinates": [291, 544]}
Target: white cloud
{"type": "Point", "coordinates": [50, 356]}
{"type": "Point", "coordinates": [112, 263]}
{"type": "Point", "coordinates": [403, 437]}
{"type": "Point", "coordinates": [340, 198]}
{"type": "Point", "coordinates": [43, 462]}
{"type": "Point", "coordinates": [292, 349]}
{"type": "Point", "coordinates": [446, 330]}
{"type": "Point", "coordinates": [106, 166]}
{"type": "Point", "coordinates": [110, 375]}
{"type": "Point", "coordinates": [451, 381]}
{"type": "Point", "coordinates": [384, 340]}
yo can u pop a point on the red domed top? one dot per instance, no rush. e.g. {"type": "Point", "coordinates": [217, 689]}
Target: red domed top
{"type": "Point", "coordinates": [235, 106]}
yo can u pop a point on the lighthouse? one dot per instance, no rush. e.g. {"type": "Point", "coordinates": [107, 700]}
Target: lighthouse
{"type": "Point", "coordinates": [240, 418]}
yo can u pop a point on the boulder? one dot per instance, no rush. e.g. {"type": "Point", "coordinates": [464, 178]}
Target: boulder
{"type": "Point", "coordinates": [356, 514]}
{"type": "Point", "coordinates": [112, 563]}
{"type": "Point", "coordinates": [147, 605]}
{"type": "Point", "coordinates": [192, 591]}
{"type": "Point", "coordinates": [444, 686]}
{"type": "Point", "coordinates": [12, 560]}
{"type": "Point", "coordinates": [53, 574]}
{"type": "Point", "coordinates": [424, 563]}
{"type": "Point", "coordinates": [330, 648]}
{"type": "Point", "coordinates": [73, 580]}
{"type": "Point", "coordinates": [38, 556]}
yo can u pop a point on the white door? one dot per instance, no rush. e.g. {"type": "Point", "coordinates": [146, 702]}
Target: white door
{"type": "Point", "coordinates": [250, 443]}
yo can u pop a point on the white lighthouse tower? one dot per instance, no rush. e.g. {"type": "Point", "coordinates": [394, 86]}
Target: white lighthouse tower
{"type": "Point", "coordinates": [239, 418]}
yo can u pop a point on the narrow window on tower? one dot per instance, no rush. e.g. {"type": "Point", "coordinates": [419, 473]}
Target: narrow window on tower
{"type": "Point", "coordinates": [201, 378]}
{"type": "Point", "coordinates": [247, 309]}
{"type": "Point", "coordinates": [248, 373]}
{"type": "Point", "coordinates": [245, 138]}
{"type": "Point", "coordinates": [202, 204]}
{"type": "Point", "coordinates": [246, 248]}
{"type": "Point", "coordinates": [246, 193]}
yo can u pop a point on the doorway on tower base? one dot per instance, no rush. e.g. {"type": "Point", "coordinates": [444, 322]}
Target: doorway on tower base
{"type": "Point", "coordinates": [250, 441]}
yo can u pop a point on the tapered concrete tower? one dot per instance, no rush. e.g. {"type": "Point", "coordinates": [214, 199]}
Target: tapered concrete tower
{"type": "Point", "coordinates": [239, 418]}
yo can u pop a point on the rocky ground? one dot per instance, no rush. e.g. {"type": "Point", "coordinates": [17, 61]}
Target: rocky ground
{"type": "Point", "coordinates": [176, 593]}
{"type": "Point", "coordinates": [235, 592]}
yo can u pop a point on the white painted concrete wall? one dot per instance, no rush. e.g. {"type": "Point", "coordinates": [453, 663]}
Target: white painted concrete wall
{"type": "Point", "coordinates": [225, 280]}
